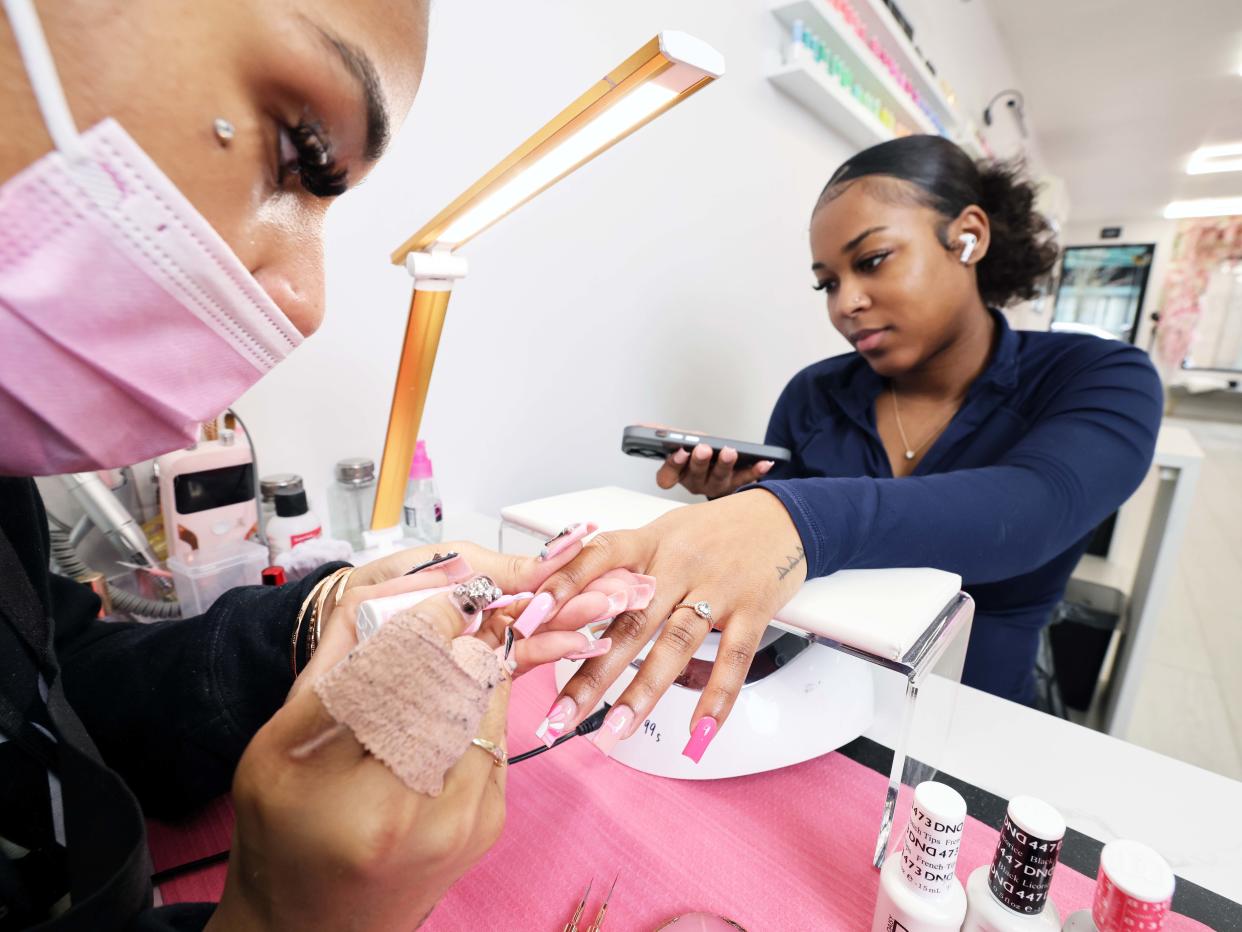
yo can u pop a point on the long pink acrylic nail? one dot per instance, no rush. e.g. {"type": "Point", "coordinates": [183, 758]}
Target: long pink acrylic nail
{"type": "Point", "coordinates": [534, 614]}
{"type": "Point", "coordinates": [559, 544]}
{"type": "Point", "coordinates": [704, 730]}
{"type": "Point", "coordinates": [597, 649]}
{"type": "Point", "coordinates": [617, 603]}
{"type": "Point", "coordinates": [506, 600]}
{"type": "Point", "coordinates": [563, 712]}
{"type": "Point", "coordinates": [616, 725]}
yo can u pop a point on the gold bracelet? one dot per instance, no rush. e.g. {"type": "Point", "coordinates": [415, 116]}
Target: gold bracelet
{"type": "Point", "coordinates": [324, 589]}
{"type": "Point", "coordinates": [342, 584]}
{"type": "Point", "coordinates": [297, 629]}
{"type": "Point", "coordinates": [311, 596]}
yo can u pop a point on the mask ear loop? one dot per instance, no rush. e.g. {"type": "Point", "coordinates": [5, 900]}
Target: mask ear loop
{"type": "Point", "coordinates": [44, 80]}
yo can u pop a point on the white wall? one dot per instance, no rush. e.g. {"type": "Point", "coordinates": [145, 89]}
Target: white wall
{"type": "Point", "coordinates": [1143, 230]}
{"type": "Point", "coordinates": [668, 280]}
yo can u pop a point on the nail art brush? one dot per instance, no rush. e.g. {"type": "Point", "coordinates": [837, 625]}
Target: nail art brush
{"type": "Point", "coordinates": [598, 924]}
{"type": "Point", "coordinates": [572, 925]}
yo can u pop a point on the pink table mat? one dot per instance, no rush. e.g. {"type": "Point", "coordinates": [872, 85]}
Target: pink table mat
{"type": "Point", "coordinates": [784, 850]}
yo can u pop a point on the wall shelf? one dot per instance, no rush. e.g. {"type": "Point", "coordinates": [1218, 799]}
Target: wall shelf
{"type": "Point", "coordinates": [881, 24]}
{"type": "Point", "coordinates": [811, 85]}
{"type": "Point", "coordinates": [815, 89]}
{"type": "Point", "coordinates": [819, 17]}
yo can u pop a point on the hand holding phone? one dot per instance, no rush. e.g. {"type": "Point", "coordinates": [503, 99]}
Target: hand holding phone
{"type": "Point", "coordinates": [705, 465]}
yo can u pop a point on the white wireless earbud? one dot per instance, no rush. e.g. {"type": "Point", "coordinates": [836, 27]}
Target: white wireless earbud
{"type": "Point", "coordinates": [969, 242]}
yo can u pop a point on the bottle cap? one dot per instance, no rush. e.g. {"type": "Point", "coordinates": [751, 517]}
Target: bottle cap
{"type": "Point", "coordinates": [270, 485]}
{"type": "Point", "coordinates": [290, 503]}
{"type": "Point", "coordinates": [933, 838]}
{"type": "Point", "coordinates": [1026, 855]}
{"type": "Point", "coordinates": [1134, 889]}
{"type": "Point", "coordinates": [420, 468]}
{"type": "Point", "coordinates": [355, 471]}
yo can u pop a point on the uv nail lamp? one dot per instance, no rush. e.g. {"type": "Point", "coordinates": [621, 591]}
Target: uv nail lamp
{"type": "Point", "coordinates": [801, 700]}
{"type": "Point", "coordinates": [847, 649]}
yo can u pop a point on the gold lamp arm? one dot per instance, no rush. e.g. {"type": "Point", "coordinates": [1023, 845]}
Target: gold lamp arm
{"type": "Point", "coordinates": [409, 397]}
{"type": "Point", "coordinates": [665, 71]}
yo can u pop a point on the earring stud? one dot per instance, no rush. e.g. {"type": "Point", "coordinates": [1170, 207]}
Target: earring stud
{"type": "Point", "coordinates": [224, 130]}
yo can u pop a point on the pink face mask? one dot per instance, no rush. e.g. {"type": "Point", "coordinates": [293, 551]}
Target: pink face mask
{"type": "Point", "coordinates": [125, 320]}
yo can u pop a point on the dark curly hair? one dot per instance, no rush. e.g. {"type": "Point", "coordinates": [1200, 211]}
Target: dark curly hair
{"type": "Point", "coordinates": [946, 179]}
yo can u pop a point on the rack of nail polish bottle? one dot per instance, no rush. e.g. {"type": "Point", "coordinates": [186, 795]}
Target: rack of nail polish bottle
{"type": "Point", "coordinates": [935, 629]}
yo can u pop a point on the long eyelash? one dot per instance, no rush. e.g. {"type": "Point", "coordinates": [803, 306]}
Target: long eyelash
{"type": "Point", "coordinates": [822, 286]}
{"type": "Point", "coordinates": [316, 169]}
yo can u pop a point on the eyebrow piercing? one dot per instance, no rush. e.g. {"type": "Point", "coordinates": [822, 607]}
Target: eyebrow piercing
{"type": "Point", "coordinates": [223, 130]}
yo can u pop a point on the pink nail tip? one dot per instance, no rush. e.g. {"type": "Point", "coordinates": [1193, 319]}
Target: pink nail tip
{"type": "Point", "coordinates": [534, 614]}
{"type": "Point", "coordinates": [704, 730]}
{"type": "Point", "coordinates": [616, 725]}
{"type": "Point", "coordinates": [563, 541]}
{"type": "Point", "coordinates": [640, 597]}
{"type": "Point", "coordinates": [506, 600]}
{"type": "Point", "coordinates": [597, 649]}
{"type": "Point", "coordinates": [559, 717]}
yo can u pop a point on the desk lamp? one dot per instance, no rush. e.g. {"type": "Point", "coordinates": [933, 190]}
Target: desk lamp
{"type": "Point", "coordinates": [661, 74]}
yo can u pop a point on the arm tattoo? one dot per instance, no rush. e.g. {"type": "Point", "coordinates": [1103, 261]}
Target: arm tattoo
{"type": "Point", "coordinates": [791, 562]}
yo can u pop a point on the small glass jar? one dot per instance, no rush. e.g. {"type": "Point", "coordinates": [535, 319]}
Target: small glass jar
{"type": "Point", "coordinates": [351, 500]}
{"type": "Point", "coordinates": [270, 485]}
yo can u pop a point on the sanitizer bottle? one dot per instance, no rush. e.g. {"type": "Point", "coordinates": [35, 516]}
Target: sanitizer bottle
{"type": "Point", "coordinates": [1011, 895]}
{"type": "Point", "coordinates": [919, 889]}
{"type": "Point", "coordinates": [422, 515]}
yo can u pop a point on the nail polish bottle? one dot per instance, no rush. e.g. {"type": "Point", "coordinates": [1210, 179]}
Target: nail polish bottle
{"type": "Point", "coordinates": [919, 889]}
{"type": "Point", "coordinates": [1012, 894]}
{"type": "Point", "coordinates": [1133, 890]}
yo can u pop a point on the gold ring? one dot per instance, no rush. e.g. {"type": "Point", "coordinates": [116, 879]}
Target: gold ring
{"type": "Point", "coordinates": [499, 758]}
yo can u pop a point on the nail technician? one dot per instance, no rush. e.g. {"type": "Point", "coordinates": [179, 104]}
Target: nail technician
{"type": "Point", "coordinates": [163, 182]}
{"type": "Point", "coordinates": [945, 440]}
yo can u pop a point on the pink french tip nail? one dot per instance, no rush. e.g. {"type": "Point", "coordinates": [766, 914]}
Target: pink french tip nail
{"type": "Point", "coordinates": [560, 715]}
{"type": "Point", "coordinates": [597, 649]}
{"type": "Point", "coordinates": [506, 600]}
{"type": "Point", "coordinates": [618, 602]}
{"type": "Point", "coordinates": [704, 730]}
{"type": "Point", "coordinates": [534, 614]}
{"type": "Point", "coordinates": [616, 725]}
{"type": "Point", "coordinates": [566, 539]}
{"type": "Point", "coordinates": [641, 596]}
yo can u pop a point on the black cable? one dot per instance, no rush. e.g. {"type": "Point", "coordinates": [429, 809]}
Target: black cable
{"type": "Point", "coordinates": [588, 725]}
{"type": "Point", "coordinates": [173, 872]}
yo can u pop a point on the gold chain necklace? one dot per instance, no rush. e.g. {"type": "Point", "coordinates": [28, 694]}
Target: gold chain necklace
{"type": "Point", "coordinates": [912, 452]}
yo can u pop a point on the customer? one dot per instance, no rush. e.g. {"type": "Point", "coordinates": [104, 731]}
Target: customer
{"type": "Point", "coordinates": [945, 440]}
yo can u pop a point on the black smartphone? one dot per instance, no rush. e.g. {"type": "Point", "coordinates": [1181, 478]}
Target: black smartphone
{"type": "Point", "coordinates": [659, 442]}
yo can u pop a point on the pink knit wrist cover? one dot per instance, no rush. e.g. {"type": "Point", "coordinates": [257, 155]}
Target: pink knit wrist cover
{"type": "Point", "coordinates": [411, 698]}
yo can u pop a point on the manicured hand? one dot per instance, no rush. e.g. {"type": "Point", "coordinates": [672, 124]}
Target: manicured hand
{"type": "Point", "coordinates": [741, 554]}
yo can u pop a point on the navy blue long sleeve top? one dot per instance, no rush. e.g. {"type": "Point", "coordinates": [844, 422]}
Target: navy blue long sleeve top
{"type": "Point", "coordinates": [1055, 434]}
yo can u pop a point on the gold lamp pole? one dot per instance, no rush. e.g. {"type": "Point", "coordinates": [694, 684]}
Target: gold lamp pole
{"type": "Point", "coordinates": [657, 77]}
